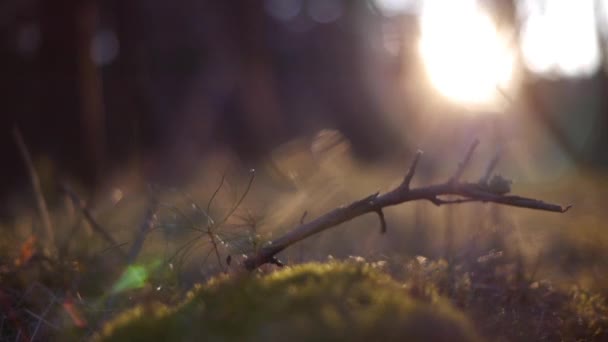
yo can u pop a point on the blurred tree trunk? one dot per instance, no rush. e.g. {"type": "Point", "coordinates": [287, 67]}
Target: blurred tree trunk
{"type": "Point", "coordinates": [92, 112]}
{"type": "Point", "coordinates": [257, 88]}
{"type": "Point", "coordinates": [71, 118]}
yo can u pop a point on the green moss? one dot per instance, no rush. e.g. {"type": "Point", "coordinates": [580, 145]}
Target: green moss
{"type": "Point", "coordinates": [332, 301]}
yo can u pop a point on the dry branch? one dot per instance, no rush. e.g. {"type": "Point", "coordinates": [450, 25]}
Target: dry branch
{"type": "Point", "coordinates": [48, 234]}
{"type": "Point", "coordinates": [466, 192]}
{"type": "Point", "coordinates": [88, 215]}
{"type": "Point", "coordinates": [490, 168]}
{"type": "Point", "coordinates": [410, 173]}
{"type": "Point", "coordinates": [467, 159]}
{"type": "Point", "coordinates": [145, 228]}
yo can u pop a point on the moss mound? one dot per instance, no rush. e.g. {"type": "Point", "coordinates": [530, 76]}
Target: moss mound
{"type": "Point", "coordinates": [332, 301]}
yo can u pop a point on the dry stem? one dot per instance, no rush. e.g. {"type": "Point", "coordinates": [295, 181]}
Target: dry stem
{"type": "Point", "coordinates": [467, 192]}
{"type": "Point", "coordinates": [88, 215]}
{"type": "Point", "coordinates": [48, 234]}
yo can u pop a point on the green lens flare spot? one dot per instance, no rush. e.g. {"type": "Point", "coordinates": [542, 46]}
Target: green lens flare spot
{"type": "Point", "coordinates": [134, 277]}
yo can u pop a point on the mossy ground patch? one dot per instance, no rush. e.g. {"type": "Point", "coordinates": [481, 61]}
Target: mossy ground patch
{"type": "Point", "coordinates": [331, 301]}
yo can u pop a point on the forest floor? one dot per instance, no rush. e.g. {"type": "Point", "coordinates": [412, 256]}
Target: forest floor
{"type": "Point", "coordinates": [513, 275]}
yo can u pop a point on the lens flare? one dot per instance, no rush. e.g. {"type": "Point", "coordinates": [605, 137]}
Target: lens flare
{"type": "Point", "coordinates": [135, 277]}
{"type": "Point", "coordinates": [560, 38]}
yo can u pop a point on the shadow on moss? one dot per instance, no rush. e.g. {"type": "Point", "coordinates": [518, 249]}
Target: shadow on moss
{"type": "Point", "coordinates": [332, 301]}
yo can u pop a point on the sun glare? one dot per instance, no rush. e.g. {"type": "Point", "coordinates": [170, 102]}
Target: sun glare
{"type": "Point", "coordinates": [465, 57]}
{"type": "Point", "coordinates": [560, 37]}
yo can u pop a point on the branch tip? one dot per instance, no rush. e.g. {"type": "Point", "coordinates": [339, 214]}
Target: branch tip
{"type": "Point", "coordinates": [465, 162]}
{"type": "Point", "coordinates": [490, 169]}
{"type": "Point", "coordinates": [88, 215]}
{"type": "Point", "coordinates": [303, 216]}
{"type": "Point", "coordinates": [382, 221]}
{"type": "Point", "coordinates": [410, 173]}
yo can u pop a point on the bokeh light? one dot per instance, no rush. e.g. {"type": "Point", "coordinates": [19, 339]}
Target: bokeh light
{"type": "Point", "coordinates": [28, 39]}
{"type": "Point", "coordinates": [104, 47]}
{"type": "Point", "coordinates": [325, 11]}
{"type": "Point", "coordinates": [467, 58]}
{"type": "Point", "coordinates": [394, 7]}
{"type": "Point", "coordinates": [283, 9]}
{"type": "Point", "coordinates": [559, 37]}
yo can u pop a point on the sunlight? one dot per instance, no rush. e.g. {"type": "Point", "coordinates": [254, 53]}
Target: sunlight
{"type": "Point", "coordinates": [394, 7]}
{"type": "Point", "coordinates": [560, 37]}
{"type": "Point", "coordinates": [465, 57]}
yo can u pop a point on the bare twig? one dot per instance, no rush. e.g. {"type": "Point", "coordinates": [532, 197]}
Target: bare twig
{"type": "Point", "coordinates": [410, 173]}
{"type": "Point", "coordinates": [303, 216]}
{"type": "Point", "coordinates": [185, 248]}
{"type": "Point", "coordinates": [463, 165]}
{"type": "Point", "coordinates": [107, 249]}
{"type": "Point", "coordinates": [212, 237]}
{"type": "Point", "coordinates": [240, 200]}
{"type": "Point", "coordinates": [144, 229]}
{"type": "Point", "coordinates": [215, 248]}
{"type": "Point", "coordinates": [217, 190]}
{"type": "Point", "coordinates": [491, 166]}
{"type": "Point", "coordinates": [382, 221]}
{"type": "Point", "coordinates": [88, 215]}
{"type": "Point", "coordinates": [48, 234]}
{"type": "Point", "coordinates": [190, 221]}
{"type": "Point", "coordinates": [467, 192]}
{"type": "Point", "coordinates": [196, 206]}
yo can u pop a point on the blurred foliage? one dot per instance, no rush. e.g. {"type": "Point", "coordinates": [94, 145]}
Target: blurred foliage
{"type": "Point", "coordinates": [506, 301]}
